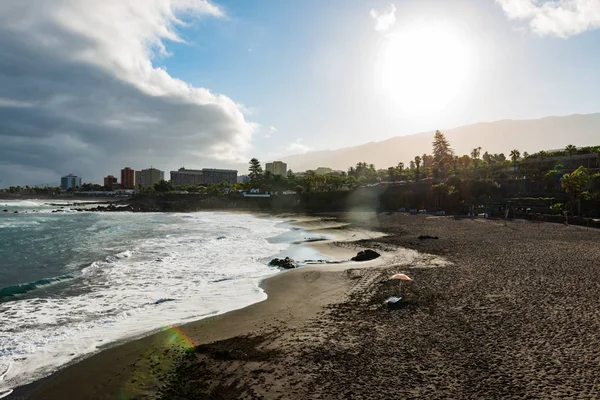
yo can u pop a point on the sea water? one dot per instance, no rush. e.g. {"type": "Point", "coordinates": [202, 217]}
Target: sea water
{"type": "Point", "coordinates": [72, 282]}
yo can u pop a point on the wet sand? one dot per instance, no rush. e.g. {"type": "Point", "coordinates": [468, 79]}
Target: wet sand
{"type": "Point", "coordinates": [494, 311]}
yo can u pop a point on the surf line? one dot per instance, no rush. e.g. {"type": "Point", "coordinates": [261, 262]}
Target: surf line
{"type": "Point", "coordinates": [5, 392]}
{"type": "Point", "coordinates": [3, 374]}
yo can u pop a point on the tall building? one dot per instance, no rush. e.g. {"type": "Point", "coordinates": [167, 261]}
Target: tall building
{"type": "Point", "coordinates": [128, 178]}
{"type": "Point", "coordinates": [109, 182]}
{"type": "Point", "coordinates": [70, 181]}
{"type": "Point", "coordinates": [212, 175]}
{"type": "Point", "coordinates": [187, 177]}
{"type": "Point", "coordinates": [276, 168]}
{"type": "Point", "coordinates": [148, 177]}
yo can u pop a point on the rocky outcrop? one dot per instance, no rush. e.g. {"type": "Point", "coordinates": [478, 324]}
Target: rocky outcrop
{"type": "Point", "coordinates": [366, 255]}
{"type": "Point", "coordinates": [285, 263]}
{"type": "Point", "coordinates": [423, 237]}
{"type": "Point", "coordinates": [113, 208]}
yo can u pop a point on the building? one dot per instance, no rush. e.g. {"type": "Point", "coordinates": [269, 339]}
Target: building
{"type": "Point", "coordinates": [148, 177]}
{"type": "Point", "coordinates": [187, 177]}
{"type": "Point", "coordinates": [127, 178]}
{"type": "Point", "coordinates": [212, 175]}
{"type": "Point", "coordinates": [70, 181]}
{"type": "Point", "coordinates": [190, 177]}
{"type": "Point", "coordinates": [109, 182]}
{"type": "Point", "coordinates": [276, 168]}
{"type": "Point", "coordinates": [243, 178]}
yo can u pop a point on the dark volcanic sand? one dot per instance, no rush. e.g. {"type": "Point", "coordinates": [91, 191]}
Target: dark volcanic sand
{"type": "Point", "coordinates": [515, 316]}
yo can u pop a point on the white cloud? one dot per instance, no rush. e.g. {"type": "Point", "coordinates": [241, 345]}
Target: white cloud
{"type": "Point", "coordinates": [384, 20]}
{"type": "Point", "coordinates": [14, 103]}
{"type": "Point", "coordinates": [562, 18]}
{"type": "Point", "coordinates": [78, 71]}
{"type": "Point", "coordinates": [298, 147]}
{"type": "Point", "coordinates": [270, 132]}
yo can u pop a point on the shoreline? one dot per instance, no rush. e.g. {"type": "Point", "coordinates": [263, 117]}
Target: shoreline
{"type": "Point", "coordinates": [495, 310]}
{"type": "Point", "coordinates": [269, 285]}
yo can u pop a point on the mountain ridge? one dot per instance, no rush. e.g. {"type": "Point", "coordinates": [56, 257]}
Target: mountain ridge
{"type": "Point", "coordinates": [499, 136]}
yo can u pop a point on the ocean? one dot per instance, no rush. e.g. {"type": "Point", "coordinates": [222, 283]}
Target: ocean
{"type": "Point", "coordinates": [72, 283]}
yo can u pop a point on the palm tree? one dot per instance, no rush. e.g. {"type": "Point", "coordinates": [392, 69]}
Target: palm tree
{"type": "Point", "coordinates": [475, 156]}
{"type": "Point", "coordinates": [392, 174]}
{"type": "Point", "coordinates": [455, 161]}
{"type": "Point", "coordinates": [418, 164]}
{"type": "Point", "coordinates": [570, 150]}
{"type": "Point", "coordinates": [542, 156]}
{"type": "Point", "coordinates": [311, 180]}
{"type": "Point", "coordinates": [514, 156]}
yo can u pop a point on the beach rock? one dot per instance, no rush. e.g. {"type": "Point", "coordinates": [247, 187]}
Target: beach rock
{"type": "Point", "coordinates": [5, 210]}
{"type": "Point", "coordinates": [423, 237]}
{"type": "Point", "coordinates": [286, 263]}
{"type": "Point", "coordinates": [163, 300]}
{"type": "Point", "coordinates": [128, 207]}
{"type": "Point", "coordinates": [366, 255]}
{"type": "Point", "coordinates": [16, 212]}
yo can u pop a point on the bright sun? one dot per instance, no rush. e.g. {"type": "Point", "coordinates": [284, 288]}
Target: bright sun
{"type": "Point", "coordinates": [422, 68]}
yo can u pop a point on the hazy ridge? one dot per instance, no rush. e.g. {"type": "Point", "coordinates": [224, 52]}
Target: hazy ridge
{"type": "Point", "coordinates": [495, 137]}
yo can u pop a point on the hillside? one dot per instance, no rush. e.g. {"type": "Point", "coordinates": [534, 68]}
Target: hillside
{"type": "Point", "coordinates": [494, 137]}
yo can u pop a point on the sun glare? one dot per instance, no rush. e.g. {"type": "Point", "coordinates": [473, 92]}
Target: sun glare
{"type": "Point", "coordinates": [423, 68]}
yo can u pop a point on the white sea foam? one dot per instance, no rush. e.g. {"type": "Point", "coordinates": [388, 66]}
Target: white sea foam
{"type": "Point", "coordinates": [210, 264]}
{"type": "Point", "coordinates": [46, 205]}
{"type": "Point", "coordinates": [21, 203]}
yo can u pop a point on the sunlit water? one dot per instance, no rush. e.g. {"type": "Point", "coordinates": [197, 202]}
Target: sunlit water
{"type": "Point", "coordinates": [73, 282]}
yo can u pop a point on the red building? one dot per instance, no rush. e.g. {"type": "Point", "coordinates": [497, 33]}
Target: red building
{"type": "Point", "coordinates": [109, 182]}
{"type": "Point", "coordinates": [128, 178]}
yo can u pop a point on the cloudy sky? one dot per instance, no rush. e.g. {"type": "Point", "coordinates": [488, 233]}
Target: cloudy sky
{"type": "Point", "coordinates": [90, 87]}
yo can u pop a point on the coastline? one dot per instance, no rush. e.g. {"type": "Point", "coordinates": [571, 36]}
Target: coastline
{"type": "Point", "coordinates": [495, 311]}
{"type": "Point", "coordinates": [215, 327]}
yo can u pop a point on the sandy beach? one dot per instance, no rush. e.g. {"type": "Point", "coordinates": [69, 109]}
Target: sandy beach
{"type": "Point", "coordinates": [495, 311]}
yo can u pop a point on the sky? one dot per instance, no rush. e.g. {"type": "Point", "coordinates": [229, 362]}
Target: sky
{"type": "Point", "coordinates": [91, 87]}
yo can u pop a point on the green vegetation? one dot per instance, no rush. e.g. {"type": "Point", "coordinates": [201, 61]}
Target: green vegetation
{"type": "Point", "coordinates": [444, 180]}
{"type": "Point", "coordinates": [546, 182]}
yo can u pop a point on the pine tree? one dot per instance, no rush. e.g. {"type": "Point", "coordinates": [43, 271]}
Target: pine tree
{"type": "Point", "coordinates": [442, 153]}
{"type": "Point", "coordinates": [255, 170]}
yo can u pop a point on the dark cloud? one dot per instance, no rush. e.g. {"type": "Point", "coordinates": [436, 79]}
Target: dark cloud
{"type": "Point", "coordinates": [78, 98]}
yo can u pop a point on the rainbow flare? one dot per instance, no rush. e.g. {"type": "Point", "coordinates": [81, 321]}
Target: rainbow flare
{"type": "Point", "coordinates": [177, 334]}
